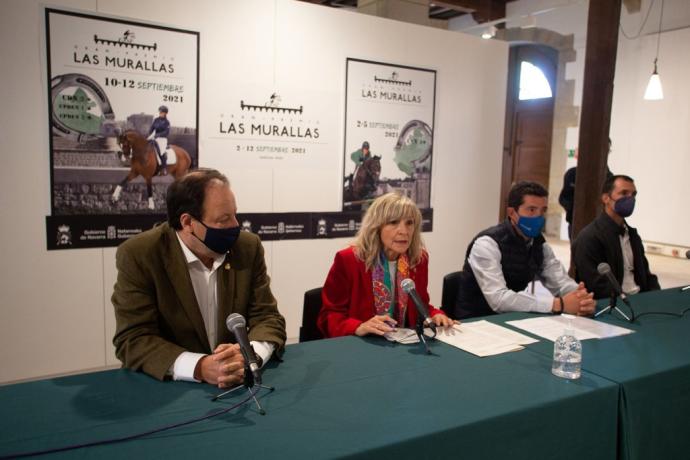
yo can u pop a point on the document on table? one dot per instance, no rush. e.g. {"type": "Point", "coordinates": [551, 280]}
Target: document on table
{"type": "Point", "coordinates": [552, 327]}
{"type": "Point", "coordinates": [482, 338]}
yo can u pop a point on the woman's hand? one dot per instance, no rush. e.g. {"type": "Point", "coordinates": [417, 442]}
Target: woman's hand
{"type": "Point", "coordinates": [378, 325]}
{"type": "Point", "coordinates": [443, 321]}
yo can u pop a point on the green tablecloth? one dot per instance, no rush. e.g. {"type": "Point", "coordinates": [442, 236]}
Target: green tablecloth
{"type": "Point", "coordinates": [347, 397]}
{"type": "Point", "coordinates": [653, 368]}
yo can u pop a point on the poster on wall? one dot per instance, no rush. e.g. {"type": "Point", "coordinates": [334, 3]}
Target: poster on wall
{"type": "Point", "coordinates": [255, 127]}
{"type": "Point", "coordinates": [287, 135]}
{"type": "Point", "coordinates": [123, 117]}
{"type": "Point", "coordinates": [389, 126]}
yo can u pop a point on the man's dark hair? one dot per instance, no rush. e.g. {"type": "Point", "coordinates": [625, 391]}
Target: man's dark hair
{"type": "Point", "coordinates": [610, 182]}
{"type": "Point", "coordinates": [522, 188]}
{"type": "Point", "coordinates": [187, 194]}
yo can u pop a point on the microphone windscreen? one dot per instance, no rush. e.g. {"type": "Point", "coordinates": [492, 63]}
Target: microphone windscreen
{"type": "Point", "coordinates": [603, 268]}
{"type": "Point", "coordinates": [235, 320]}
{"type": "Point", "coordinates": [687, 254]}
{"type": "Point", "coordinates": [407, 285]}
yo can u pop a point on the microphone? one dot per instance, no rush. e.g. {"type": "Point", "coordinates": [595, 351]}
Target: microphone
{"type": "Point", "coordinates": [238, 328]}
{"type": "Point", "coordinates": [687, 254]}
{"type": "Point", "coordinates": [604, 269]}
{"type": "Point", "coordinates": [408, 286]}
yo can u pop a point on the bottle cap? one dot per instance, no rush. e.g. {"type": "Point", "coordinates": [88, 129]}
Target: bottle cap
{"type": "Point", "coordinates": [569, 328]}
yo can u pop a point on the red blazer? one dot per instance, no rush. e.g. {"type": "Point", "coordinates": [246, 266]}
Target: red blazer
{"type": "Point", "coordinates": [348, 299]}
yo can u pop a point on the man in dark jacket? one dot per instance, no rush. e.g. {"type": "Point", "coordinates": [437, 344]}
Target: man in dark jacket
{"type": "Point", "coordinates": [610, 239]}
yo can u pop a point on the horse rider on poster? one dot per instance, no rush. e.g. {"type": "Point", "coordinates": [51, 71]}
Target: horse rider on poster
{"type": "Point", "coordinates": [360, 155]}
{"type": "Point", "coordinates": [160, 129]}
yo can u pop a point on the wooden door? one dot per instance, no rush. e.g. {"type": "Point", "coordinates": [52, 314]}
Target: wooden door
{"type": "Point", "coordinates": [529, 123]}
{"type": "Point", "coordinates": [532, 145]}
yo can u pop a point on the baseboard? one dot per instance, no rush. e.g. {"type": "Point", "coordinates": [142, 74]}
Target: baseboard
{"type": "Point", "coordinates": [664, 249]}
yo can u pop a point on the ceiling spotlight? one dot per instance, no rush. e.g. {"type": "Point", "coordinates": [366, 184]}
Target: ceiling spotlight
{"type": "Point", "coordinates": [489, 33]}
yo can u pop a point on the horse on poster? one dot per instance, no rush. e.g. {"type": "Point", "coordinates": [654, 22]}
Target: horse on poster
{"type": "Point", "coordinates": [144, 162]}
{"type": "Point", "coordinates": [364, 181]}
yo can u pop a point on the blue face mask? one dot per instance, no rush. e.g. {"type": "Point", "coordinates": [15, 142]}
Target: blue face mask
{"type": "Point", "coordinates": [531, 226]}
{"type": "Point", "coordinates": [219, 240]}
{"type": "Point", "coordinates": [624, 206]}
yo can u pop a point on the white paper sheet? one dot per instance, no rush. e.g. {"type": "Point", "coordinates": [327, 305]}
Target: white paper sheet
{"type": "Point", "coordinates": [552, 327]}
{"type": "Point", "coordinates": [482, 338]}
{"type": "Point", "coordinates": [491, 329]}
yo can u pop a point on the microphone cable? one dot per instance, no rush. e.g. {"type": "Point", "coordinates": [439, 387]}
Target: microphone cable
{"type": "Point", "coordinates": [668, 313]}
{"type": "Point", "coordinates": [132, 436]}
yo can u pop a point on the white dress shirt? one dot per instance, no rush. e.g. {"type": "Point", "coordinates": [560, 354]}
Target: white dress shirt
{"type": "Point", "coordinates": [485, 260]}
{"type": "Point", "coordinates": [204, 282]}
{"type": "Point", "coordinates": [629, 286]}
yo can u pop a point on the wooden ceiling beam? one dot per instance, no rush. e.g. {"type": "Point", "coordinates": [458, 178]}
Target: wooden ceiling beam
{"type": "Point", "coordinates": [481, 10]}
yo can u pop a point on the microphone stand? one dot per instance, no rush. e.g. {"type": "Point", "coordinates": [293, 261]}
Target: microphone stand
{"type": "Point", "coordinates": [249, 383]}
{"type": "Point", "coordinates": [419, 329]}
{"type": "Point", "coordinates": [612, 306]}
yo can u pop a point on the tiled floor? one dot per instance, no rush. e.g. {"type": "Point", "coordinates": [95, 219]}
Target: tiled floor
{"type": "Point", "coordinates": [671, 271]}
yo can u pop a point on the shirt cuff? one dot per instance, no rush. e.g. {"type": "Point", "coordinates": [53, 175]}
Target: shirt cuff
{"type": "Point", "coordinates": [544, 304]}
{"type": "Point", "coordinates": [184, 365]}
{"type": "Point", "coordinates": [263, 349]}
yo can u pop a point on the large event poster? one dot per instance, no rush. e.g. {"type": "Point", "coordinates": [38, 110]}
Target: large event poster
{"type": "Point", "coordinates": [107, 80]}
{"type": "Point", "coordinates": [256, 127]}
{"type": "Point", "coordinates": [279, 143]}
{"type": "Point", "coordinates": [389, 125]}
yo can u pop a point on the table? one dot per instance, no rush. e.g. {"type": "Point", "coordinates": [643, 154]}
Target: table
{"type": "Point", "coordinates": [652, 366]}
{"type": "Point", "coordinates": [346, 397]}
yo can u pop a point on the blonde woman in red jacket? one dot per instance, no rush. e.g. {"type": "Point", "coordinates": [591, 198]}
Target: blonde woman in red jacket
{"type": "Point", "coordinates": [362, 293]}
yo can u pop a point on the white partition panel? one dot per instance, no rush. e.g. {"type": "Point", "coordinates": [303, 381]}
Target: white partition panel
{"type": "Point", "coordinates": [55, 311]}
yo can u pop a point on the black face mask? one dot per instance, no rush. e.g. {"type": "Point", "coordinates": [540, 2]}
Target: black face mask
{"type": "Point", "coordinates": [219, 240]}
{"type": "Point", "coordinates": [624, 206]}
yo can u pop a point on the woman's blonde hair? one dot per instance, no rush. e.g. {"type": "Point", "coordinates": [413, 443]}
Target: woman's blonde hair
{"type": "Point", "coordinates": [386, 209]}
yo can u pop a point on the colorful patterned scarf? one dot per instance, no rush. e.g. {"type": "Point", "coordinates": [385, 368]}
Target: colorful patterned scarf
{"type": "Point", "coordinates": [383, 286]}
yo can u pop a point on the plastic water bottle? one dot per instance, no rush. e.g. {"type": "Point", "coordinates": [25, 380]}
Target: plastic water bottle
{"type": "Point", "coordinates": [567, 355]}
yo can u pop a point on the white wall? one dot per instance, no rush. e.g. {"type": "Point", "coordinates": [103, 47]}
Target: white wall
{"type": "Point", "coordinates": [55, 306]}
{"type": "Point", "coordinates": [651, 139]}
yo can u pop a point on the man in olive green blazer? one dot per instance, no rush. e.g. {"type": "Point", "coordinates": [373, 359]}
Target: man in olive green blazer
{"type": "Point", "coordinates": [156, 306]}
